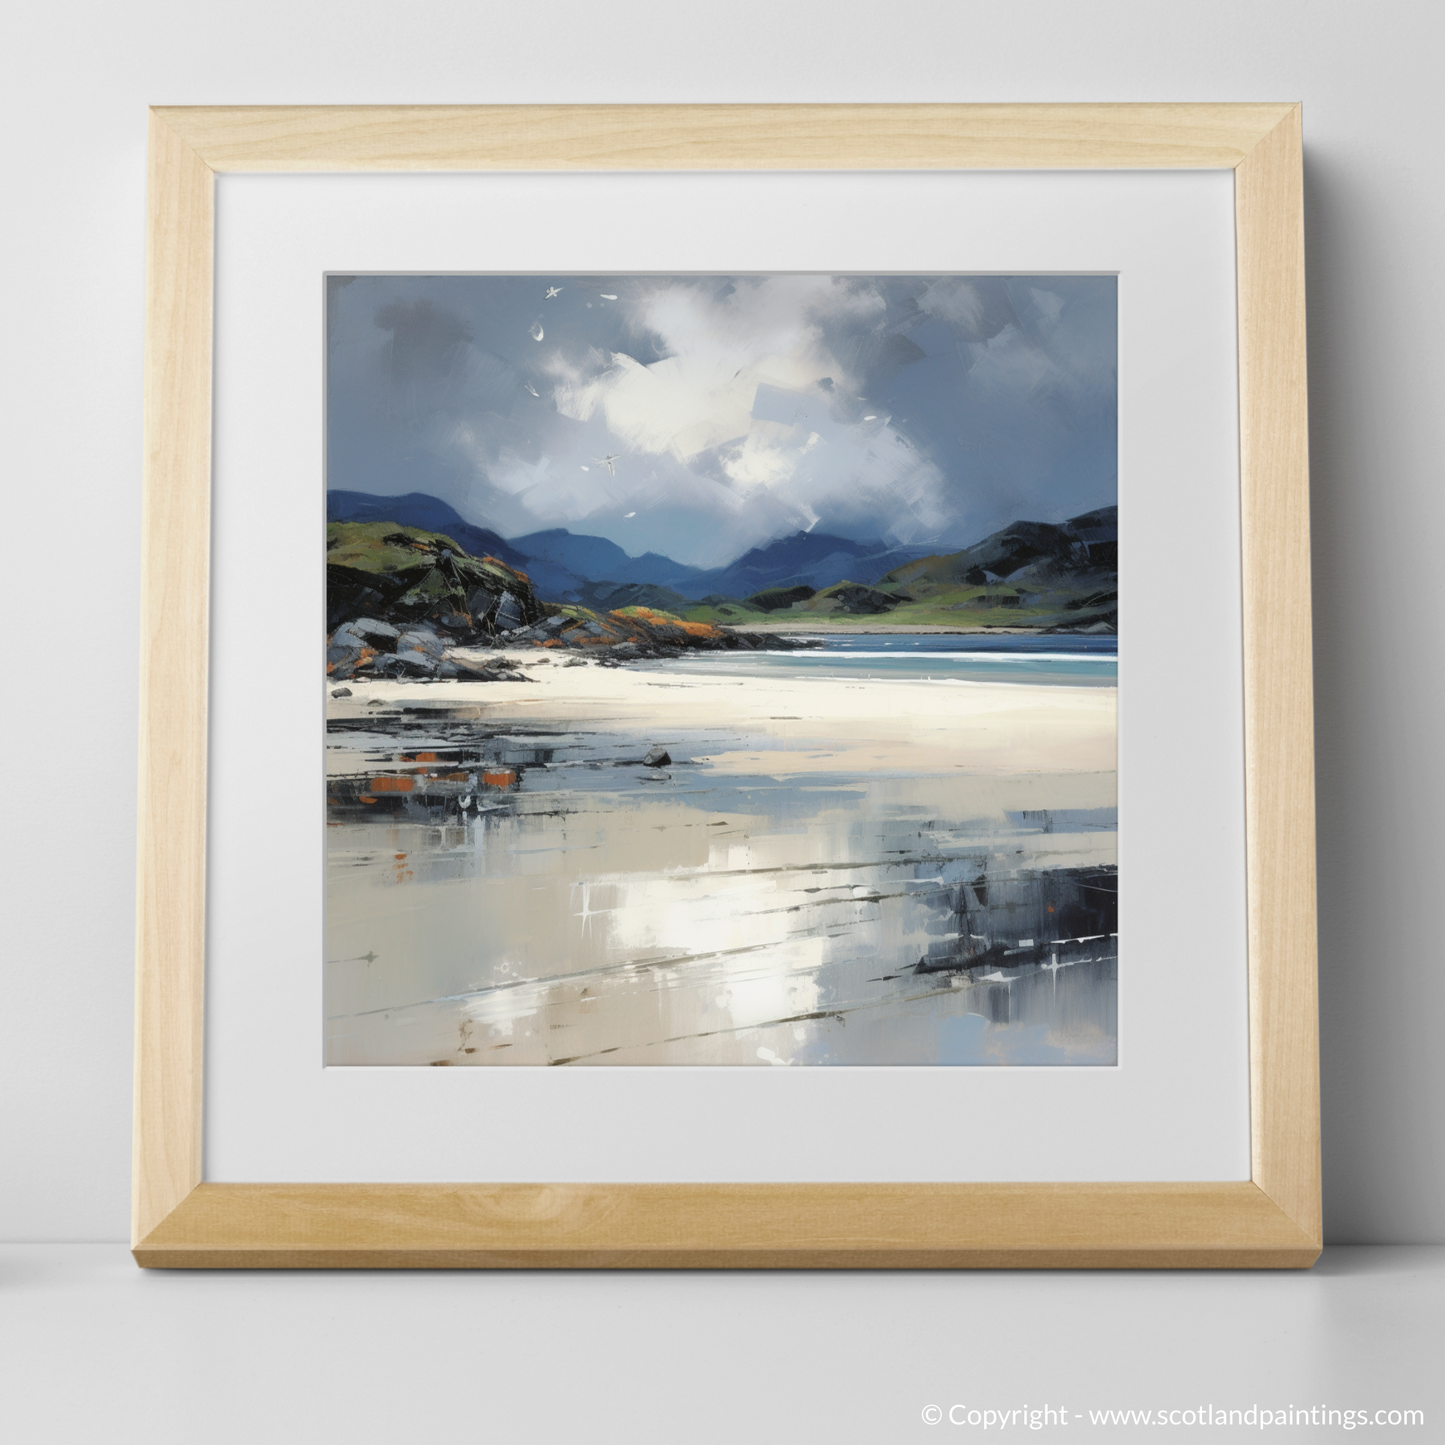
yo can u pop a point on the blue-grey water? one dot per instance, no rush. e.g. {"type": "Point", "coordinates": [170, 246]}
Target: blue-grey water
{"type": "Point", "coordinates": [1064, 660]}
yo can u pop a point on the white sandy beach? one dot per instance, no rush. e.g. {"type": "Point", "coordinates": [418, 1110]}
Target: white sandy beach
{"type": "Point", "coordinates": [867, 725]}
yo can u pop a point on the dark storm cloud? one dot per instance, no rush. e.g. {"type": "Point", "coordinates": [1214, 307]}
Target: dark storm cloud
{"type": "Point", "coordinates": [919, 409]}
{"type": "Point", "coordinates": [426, 342]}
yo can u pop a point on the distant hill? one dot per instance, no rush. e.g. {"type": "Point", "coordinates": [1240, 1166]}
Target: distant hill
{"type": "Point", "coordinates": [806, 559]}
{"type": "Point", "coordinates": [582, 557]}
{"type": "Point", "coordinates": [596, 559]}
{"type": "Point", "coordinates": [566, 566]}
{"type": "Point", "coordinates": [608, 596]}
{"type": "Point", "coordinates": [1045, 575]}
{"type": "Point", "coordinates": [1037, 576]}
{"type": "Point", "coordinates": [1057, 576]}
{"type": "Point", "coordinates": [417, 509]}
{"type": "Point", "coordinates": [1024, 554]}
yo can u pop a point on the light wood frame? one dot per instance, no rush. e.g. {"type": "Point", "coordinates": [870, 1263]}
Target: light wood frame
{"type": "Point", "coordinates": [1273, 1220]}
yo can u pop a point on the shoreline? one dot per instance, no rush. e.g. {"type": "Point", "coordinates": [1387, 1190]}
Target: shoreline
{"type": "Point", "coordinates": [796, 725]}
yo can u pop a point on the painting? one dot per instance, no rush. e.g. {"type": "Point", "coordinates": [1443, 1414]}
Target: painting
{"type": "Point", "coordinates": [721, 670]}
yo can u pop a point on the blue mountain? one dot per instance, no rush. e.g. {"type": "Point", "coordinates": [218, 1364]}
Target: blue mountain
{"type": "Point", "coordinates": [565, 567]}
{"type": "Point", "coordinates": [812, 559]}
{"type": "Point", "coordinates": [417, 509]}
{"type": "Point", "coordinates": [596, 559]}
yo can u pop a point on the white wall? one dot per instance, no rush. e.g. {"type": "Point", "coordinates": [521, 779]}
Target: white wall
{"type": "Point", "coordinates": [77, 79]}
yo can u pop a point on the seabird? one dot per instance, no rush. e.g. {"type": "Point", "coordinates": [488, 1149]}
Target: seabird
{"type": "Point", "coordinates": [609, 461]}
{"type": "Point", "coordinates": [551, 292]}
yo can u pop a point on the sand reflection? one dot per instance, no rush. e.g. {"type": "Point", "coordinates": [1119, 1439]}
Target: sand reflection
{"type": "Point", "coordinates": [784, 891]}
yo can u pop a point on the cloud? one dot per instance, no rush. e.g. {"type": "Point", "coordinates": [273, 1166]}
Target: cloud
{"type": "Point", "coordinates": [977, 310]}
{"type": "Point", "coordinates": [736, 406]}
{"type": "Point", "coordinates": [739, 395]}
{"type": "Point", "coordinates": [426, 343]}
{"type": "Point", "coordinates": [717, 345]}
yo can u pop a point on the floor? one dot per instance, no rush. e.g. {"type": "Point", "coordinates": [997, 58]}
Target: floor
{"type": "Point", "coordinates": [94, 1349]}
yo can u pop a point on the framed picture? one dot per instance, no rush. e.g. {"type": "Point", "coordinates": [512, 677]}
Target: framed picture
{"type": "Point", "coordinates": [713, 517]}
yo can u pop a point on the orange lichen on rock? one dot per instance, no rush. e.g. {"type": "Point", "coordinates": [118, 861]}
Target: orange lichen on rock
{"type": "Point", "coordinates": [392, 785]}
{"type": "Point", "coordinates": [658, 620]}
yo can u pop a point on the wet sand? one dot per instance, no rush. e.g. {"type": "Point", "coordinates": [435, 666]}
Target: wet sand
{"type": "Point", "coordinates": [762, 900]}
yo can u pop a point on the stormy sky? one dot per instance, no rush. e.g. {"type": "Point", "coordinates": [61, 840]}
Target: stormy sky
{"type": "Point", "coordinates": [912, 409]}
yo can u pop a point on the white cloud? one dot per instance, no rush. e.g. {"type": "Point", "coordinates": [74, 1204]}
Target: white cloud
{"type": "Point", "coordinates": [739, 382]}
{"type": "Point", "coordinates": [958, 301]}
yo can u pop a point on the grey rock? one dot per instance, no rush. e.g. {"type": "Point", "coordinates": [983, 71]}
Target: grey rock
{"type": "Point", "coordinates": [423, 641]}
{"type": "Point", "coordinates": [340, 692]}
{"type": "Point", "coordinates": [408, 663]}
{"type": "Point", "coordinates": [508, 614]}
{"type": "Point", "coordinates": [657, 758]}
{"type": "Point", "coordinates": [380, 635]}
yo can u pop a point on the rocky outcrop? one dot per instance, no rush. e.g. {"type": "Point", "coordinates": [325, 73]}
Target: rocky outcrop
{"type": "Point", "coordinates": [417, 653]}
{"type": "Point", "coordinates": [400, 599]}
{"type": "Point", "coordinates": [404, 576]}
{"type": "Point", "coordinates": [402, 602]}
{"type": "Point", "coordinates": [636, 632]}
